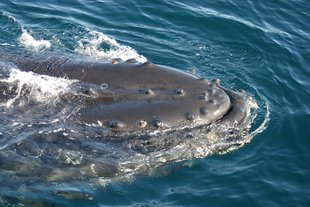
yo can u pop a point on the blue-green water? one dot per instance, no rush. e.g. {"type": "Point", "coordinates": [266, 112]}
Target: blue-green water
{"type": "Point", "coordinates": [259, 46]}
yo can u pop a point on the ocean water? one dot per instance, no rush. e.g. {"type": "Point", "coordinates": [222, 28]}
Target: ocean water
{"type": "Point", "coordinates": [255, 46]}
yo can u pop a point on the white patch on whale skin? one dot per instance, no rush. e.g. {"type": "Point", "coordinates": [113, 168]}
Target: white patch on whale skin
{"type": "Point", "coordinates": [91, 45]}
{"type": "Point", "coordinates": [28, 41]}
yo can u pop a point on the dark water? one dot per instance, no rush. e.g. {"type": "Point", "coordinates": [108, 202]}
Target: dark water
{"type": "Point", "coordinates": [259, 46]}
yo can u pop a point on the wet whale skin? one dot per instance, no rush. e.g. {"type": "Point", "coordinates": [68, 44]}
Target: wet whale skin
{"type": "Point", "coordinates": [141, 96]}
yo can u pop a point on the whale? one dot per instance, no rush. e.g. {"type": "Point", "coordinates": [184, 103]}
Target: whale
{"type": "Point", "coordinates": [139, 97]}
{"type": "Point", "coordinates": [130, 117]}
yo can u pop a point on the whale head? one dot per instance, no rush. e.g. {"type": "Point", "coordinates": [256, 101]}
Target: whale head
{"type": "Point", "coordinates": [153, 97]}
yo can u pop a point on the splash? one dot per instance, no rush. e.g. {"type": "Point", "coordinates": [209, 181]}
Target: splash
{"type": "Point", "coordinates": [30, 42]}
{"type": "Point", "coordinates": [39, 88]}
{"type": "Point", "coordinates": [99, 46]}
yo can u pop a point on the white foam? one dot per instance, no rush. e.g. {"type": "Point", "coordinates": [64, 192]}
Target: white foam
{"type": "Point", "coordinates": [30, 42]}
{"type": "Point", "coordinates": [90, 45]}
{"type": "Point", "coordinates": [5, 44]}
{"type": "Point", "coordinates": [40, 88]}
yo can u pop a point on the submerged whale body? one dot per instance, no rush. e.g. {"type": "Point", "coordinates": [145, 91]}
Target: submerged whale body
{"type": "Point", "coordinates": [141, 97]}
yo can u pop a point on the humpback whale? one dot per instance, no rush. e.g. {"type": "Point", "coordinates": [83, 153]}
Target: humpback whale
{"type": "Point", "coordinates": [137, 116]}
{"type": "Point", "coordinates": [140, 97]}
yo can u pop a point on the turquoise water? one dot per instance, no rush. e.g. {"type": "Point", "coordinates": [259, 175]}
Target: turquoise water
{"type": "Point", "coordinates": [261, 47]}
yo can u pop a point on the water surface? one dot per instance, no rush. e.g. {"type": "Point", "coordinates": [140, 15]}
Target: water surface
{"type": "Point", "coordinates": [259, 47]}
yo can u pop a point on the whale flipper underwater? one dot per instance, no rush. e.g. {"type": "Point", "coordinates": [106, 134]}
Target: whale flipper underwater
{"type": "Point", "coordinates": [142, 97]}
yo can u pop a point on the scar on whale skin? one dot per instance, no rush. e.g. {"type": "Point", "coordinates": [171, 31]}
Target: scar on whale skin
{"type": "Point", "coordinates": [141, 96]}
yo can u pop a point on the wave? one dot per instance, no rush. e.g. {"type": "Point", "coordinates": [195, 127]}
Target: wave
{"type": "Point", "coordinates": [28, 41]}
{"type": "Point", "coordinates": [94, 44]}
{"type": "Point", "coordinates": [35, 87]}
{"type": "Point", "coordinates": [100, 46]}
{"type": "Point", "coordinates": [85, 41]}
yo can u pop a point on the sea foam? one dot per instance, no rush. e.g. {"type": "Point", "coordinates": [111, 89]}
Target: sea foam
{"type": "Point", "coordinates": [28, 41]}
{"type": "Point", "coordinates": [39, 88]}
{"type": "Point", "coordinates": [91, 45]}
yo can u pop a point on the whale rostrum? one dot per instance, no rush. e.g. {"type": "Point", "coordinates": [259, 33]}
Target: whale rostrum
{"type": "Point", "coordinates": [141, 96]}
